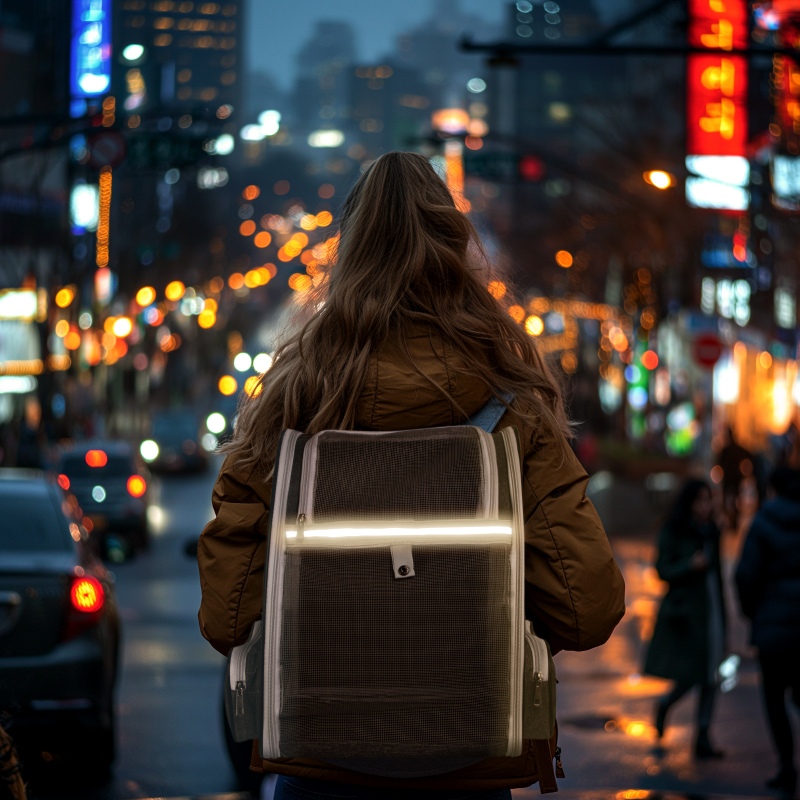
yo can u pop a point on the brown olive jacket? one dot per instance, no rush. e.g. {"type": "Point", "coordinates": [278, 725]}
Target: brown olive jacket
{"type": "Point", "coordinates": [574, 590]}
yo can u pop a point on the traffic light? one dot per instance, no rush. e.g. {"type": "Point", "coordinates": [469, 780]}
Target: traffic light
{"type": "Point", "coordinates": [531, 168]}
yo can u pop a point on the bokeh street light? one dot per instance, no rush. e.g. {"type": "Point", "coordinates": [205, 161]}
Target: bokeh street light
{"type": "Point", "coordinates": [659, 178]}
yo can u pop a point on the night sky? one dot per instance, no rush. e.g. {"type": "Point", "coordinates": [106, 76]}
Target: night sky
{"type": "Point", "coordinates": [278, 28]}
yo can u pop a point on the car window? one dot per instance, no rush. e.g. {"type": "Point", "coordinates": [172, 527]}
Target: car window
{"type": "Point", "coordinates": [31, 523]}
{"type": "Point", "coordinates": [75, 466]}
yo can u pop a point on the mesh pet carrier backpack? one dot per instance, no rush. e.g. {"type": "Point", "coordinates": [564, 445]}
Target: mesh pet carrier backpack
{"type": "Point", "coordinates": [393, 639]}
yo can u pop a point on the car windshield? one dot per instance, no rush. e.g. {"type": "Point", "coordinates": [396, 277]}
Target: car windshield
{"type": "Point", "coordinates": [29, 522]}
{"type": "Point", "coordinates": [76, 466]}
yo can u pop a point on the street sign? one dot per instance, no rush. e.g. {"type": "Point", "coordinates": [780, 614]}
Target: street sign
{"type": "Point", "coordinates": [706, 350]}
{"type": "Point", "coordinates": [106, 149]}
{"type": "Point", "coordinates": [492, 166]}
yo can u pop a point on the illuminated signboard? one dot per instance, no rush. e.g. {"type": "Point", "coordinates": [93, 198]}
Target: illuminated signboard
{"type": "Point", "coordinates": [786, 79]}
{"type": "Point", "coordinates": [716, 102]}
{"type": "Point", "coordinates": [771, 15]}
{"type": "Point", "coordinates": [717, 83]}
{"type": "Point", "coordinates": [90, 63]}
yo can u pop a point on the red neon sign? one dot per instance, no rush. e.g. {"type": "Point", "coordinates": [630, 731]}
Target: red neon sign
{"type": "Point", "coordinates": [716, 113]}
{"type": "Point", "coordinates": [787, 80]}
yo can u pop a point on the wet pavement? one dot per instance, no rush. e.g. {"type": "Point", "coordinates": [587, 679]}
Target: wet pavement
{"type": "Point", "coordinates": [170, 727]}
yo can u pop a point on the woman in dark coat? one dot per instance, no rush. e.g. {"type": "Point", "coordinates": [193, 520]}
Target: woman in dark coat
{"type": "Point", "coordinates": [768, 580]}
{"type": "Point", "coordinates": [688, 641]}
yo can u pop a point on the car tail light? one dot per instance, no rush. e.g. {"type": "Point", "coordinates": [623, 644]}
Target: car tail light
{"type": "Point", "coordinates": [96, 458]}
{"type": "Point", "coordinates": [136, 486]}
{"type": "Point", "coordinates": [86, 600]}
{"type": "Point", "coordinates": [87, 595]}
{"type": "Point", "coordinates": [63, 482]}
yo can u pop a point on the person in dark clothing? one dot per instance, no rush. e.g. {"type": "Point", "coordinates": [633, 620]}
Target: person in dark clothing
{"type": "Point", "coordinates": [736, 464]}
{"type": "Point", "coordinates": [768, 581]}
{"type": "Point", "coordinates": [688, 641]}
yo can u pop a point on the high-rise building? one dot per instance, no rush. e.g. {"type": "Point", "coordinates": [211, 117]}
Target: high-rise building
{"type": "Point", "coordinates": [178, 54]}
{"type": "Point", "coordinates": [389, 108]}
{"type": "Point", "coordinates": [432, 49]}
{"type": "Point", "coordinates": [553, 91]}
{"type": "Point", "coordinates": [320, 97]}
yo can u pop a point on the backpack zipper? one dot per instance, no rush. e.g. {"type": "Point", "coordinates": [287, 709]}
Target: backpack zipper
{"type": "Point", "coordinates": [541, 667]}
{"type": "Point", "coordinates": [239, 668]}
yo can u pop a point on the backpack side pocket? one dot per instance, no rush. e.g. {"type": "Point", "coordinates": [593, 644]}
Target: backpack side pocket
{"type": "Point", "coordinates": [539, 688]}
{"type": "Point", "coordinates": [244, 687]}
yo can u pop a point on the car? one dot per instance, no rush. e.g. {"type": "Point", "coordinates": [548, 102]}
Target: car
{"type": "Point", "coordinates": [59, 624]}
{"type": "Point", "coordinates": [175, 443]}
{"type": "Point", "coordinates": [111, 486]}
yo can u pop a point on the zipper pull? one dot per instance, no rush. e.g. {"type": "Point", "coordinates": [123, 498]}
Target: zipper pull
{"type": "Point", "coordinates": [239, 699]}
{"type": "Point", "coordinates": [537, 691]}
{"type": "Point", "coordinates": [559, 765]}
{"type": "Point", "coordinates": [301, 522]}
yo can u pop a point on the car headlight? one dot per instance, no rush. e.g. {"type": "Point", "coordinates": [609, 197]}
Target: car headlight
{"type": "Point", "coordinates": [149, 450]}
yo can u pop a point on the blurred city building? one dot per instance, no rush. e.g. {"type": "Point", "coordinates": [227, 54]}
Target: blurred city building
{"type": "Point", "coordinates": [191, 53]}
{"type": "Point", "coordinates": [162, 199]}
{"type": "Point", "coordinates": [33, 202]}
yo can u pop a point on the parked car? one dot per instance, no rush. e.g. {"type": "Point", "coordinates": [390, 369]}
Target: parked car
{"type": "Point", "coordinates": [111, 486]}
{"type": "Point", "coordinates": [59, 624]}
{"type": "Point", "coordinates": [176, 442]}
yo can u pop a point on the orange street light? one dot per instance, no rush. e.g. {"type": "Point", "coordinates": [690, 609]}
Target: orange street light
{"type": "Point", "coordinates": [659, 178]}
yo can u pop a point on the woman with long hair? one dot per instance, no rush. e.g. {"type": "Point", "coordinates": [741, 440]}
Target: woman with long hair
{"type": "Point", "coordinates": [688, 641]}
{"type": "Point", "coordinates": [402, 333]}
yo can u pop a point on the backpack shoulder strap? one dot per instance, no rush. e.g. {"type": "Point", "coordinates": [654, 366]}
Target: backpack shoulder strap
{"type": "Point", "coordinates": [488, 416]}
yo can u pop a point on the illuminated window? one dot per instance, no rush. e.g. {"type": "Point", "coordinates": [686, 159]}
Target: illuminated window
{"type": "Point", "coordinates": [163, 23]}
{"type": "Point", "coordinates": [209, 93]}
{"type": "Point", "coordinates": [162, 40]}
{"type": "Point", "coordinates": [184, 24]}
{"type": "Point", "coordinates": [184, 93]}
{"type": "Point", "coordinates": [163, 5]}
{"type": "Point", "coordinates": [227, 27]}
{"type": "Point", "coordinates": [228, 43]}
{"type": "Point", "coordinates": [185, 8]}
{"type": "Point", "coordinates": [204, 41]}
{"type": "Point", "coordinates": [227, 78]}
{"type": "Point", "coordinates": [200, 25]}
{"type": "Point", "coordinates": [184, 76]}
{"type": "Point", "coordinates": [209, 8]}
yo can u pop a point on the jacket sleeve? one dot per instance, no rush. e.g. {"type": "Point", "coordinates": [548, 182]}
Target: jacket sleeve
{"type": "Point", "coordinates": [231, 555]}
{"type": "Point", "coordinates": [575, 593]}
{"type": "Point", "coordinates": [749, 575]}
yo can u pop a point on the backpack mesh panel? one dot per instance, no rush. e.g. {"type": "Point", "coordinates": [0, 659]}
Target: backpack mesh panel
{"type": "Point", "coordinates": [396, 677]}
{"type": "Point", "coordinates": [398, 476]}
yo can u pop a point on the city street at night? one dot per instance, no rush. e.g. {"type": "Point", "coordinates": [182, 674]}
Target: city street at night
{"type": "Point", "coordinates": [170, 725]}
{"type": "Point", "coordinates": [401, 397]}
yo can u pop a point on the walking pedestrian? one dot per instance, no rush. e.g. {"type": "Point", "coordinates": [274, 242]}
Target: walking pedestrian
{"type": "Point", "coordinates": [737, 464]}
{"type": "Point", "coordinates": [688, 641]}
{"type": "Point", "coordinates": [404, 334]}
{"type": "Point", "coordinates": [768, 581]}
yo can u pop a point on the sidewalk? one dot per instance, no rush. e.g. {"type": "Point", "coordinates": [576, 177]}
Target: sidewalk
{"type": "Point", "coordinates": [606, 708]}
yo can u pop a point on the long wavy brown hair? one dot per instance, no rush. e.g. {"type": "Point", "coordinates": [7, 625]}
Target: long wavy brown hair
{"type": "Point", "coordinates": [405, 256]}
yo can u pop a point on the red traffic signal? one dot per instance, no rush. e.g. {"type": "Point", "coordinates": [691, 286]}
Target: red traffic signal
{"type": "Point", "coordinates": [531, 168]}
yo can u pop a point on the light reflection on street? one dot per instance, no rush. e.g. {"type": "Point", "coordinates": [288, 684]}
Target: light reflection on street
{"type": "Point", "coordinates": [157, 519]}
